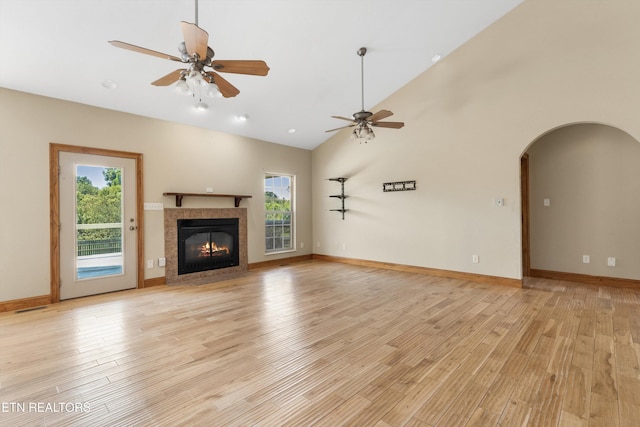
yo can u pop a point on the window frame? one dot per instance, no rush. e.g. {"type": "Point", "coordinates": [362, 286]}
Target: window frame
{"type": "Point", "coordinates": [291, 212]}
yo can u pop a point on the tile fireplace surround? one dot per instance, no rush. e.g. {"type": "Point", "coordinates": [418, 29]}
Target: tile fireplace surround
{"type": "Point", "coordinates": [171, 217]}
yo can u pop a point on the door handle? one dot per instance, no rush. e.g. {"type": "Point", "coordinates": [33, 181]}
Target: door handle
{"type": "Point", "coordinates": [133, 227]}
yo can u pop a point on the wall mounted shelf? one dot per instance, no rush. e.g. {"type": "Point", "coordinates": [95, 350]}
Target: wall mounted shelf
{"type": "Point", "coordinates": [236, 198]}
{"type": "Point", "coordinates": [340, 196]}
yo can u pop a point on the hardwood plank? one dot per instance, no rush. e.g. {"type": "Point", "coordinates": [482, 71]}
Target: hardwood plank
{"type": "Point", "coordinates": [570, 420]}
{"type": "Point", "coordinates": [604, 411]}
{"type": "Point", "coordinates": [406, 408]}
{"type": "Point", "coordinates": [516, 413]}
{"type": "Point", "coordinates": [481, 418]}
{"type": "Point", "coordinates": [310, 414]}
{"type": "Point", "coordinates": [604, 368]}
{"type": "Point", "coordinates": [379, 407]}
{"type": "Point", "coordinates": [577, 397]}
{"type": "Point", "coordinates": [321, 343]}
{"type": "Point", "coordinates": [343, 413]}
{"type": "Point", "coordinates": [629, 401]}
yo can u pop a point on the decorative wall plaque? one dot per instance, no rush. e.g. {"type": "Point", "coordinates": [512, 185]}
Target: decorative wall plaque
{"type": "Point", "coordinates": [399, 186]}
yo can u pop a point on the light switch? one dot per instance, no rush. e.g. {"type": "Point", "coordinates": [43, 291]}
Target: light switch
{"type": "Point", "coordinates": [153, 206]}
{"type": "Point", "coordinates": [547, 202]}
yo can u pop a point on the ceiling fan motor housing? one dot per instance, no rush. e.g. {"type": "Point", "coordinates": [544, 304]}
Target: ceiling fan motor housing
{"type": "Point", "coordinates": [362, 116]}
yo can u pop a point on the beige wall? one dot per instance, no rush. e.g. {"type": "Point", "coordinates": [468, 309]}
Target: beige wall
{"type": "Point", "coordinates": [468, 120]}
{"type": "Point", "coordinates": [176, 158]}
{"type": "Point", "coordinates": [590, 175]}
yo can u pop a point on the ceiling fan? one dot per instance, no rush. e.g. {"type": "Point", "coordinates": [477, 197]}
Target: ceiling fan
{"type": "Point", "coordinates": [363, 120]}
{"type": "Point", "coordinates": [198, 56]}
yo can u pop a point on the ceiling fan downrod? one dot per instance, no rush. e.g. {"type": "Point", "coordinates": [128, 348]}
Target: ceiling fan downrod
{"type": "Point", "coordinates": [361, 52]}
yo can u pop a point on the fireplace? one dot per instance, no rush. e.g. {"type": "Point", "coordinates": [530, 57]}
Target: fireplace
{"type": "Point", "coordinates": [207, 244]}
{"type": "Point", "coordinates": [228, 224]}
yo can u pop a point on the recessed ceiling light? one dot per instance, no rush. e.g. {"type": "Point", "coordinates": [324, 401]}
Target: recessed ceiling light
{"type": "Point", "coordinates": [109, 84]}
{"type": "Point", "coordinates": [292, 130]}
{"type": "Point", "coordinates": [437, 57]}
{"type": "Point", "coordinates": [242, 118]}
{"type": "Point", "coordinates": [201, 106]}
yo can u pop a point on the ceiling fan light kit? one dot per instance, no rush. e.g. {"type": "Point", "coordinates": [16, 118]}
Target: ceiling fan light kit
{"type": "Point", "coordinates": [182, 88]}
{"type": "Point", "coordinates": [363, 133]}
{"type": "Point", "coordinates": [363, 121]}
{"type": "Point", "coordinates": [212, 91]}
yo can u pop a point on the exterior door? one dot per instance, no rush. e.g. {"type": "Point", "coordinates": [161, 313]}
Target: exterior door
{"type": "Point", "coordinates": [98, 225]}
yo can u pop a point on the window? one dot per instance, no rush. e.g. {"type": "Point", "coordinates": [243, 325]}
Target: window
{"type": "Point", "coordinates": [278, 207]}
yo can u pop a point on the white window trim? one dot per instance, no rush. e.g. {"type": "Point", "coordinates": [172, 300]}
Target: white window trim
{"type": "Point", "coordinates": [294, 221]}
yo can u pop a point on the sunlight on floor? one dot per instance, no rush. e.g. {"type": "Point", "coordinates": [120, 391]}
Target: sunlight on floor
{"type": "Point", "coordinates": [279, 296]}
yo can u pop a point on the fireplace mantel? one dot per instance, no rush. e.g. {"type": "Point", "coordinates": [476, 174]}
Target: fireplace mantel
{"type": "Point", "coordinates": [236, 197]}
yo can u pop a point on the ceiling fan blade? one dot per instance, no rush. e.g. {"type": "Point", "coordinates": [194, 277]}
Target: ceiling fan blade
{"type": "Point", "coordinates": [226, 89]}
{"type": "Point", "coordinates": [195, 39]}
{"type": "Point", "coordinates": [382, 114]}
{"type": "Point", "coordinates": [170, 78]}
{"type": "Point", "coordinates": [146, 51]}
{"type": "Point", "coordinates": [343, 118]}
{"type": "Point", "coordinates": [342, 127]}
{"type": "Point", "coordinates": [392, 125]}
{"type": "Point", "coordinates": [251, 67]}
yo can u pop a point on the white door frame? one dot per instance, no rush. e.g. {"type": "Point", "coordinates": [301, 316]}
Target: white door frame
{"type": "Point", "coordinates": [54, 208]}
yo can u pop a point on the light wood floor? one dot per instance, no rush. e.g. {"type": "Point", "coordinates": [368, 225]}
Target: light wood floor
{"type": "Point", "coordinates": [319, 343]}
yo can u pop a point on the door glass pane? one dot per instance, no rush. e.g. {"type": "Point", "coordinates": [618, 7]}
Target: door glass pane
{"type": "Point", "coordinates": [98, 221]}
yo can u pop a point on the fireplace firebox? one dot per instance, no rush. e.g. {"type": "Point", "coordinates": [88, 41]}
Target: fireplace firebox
{"type": "Point", "coordinates": [207, 244]}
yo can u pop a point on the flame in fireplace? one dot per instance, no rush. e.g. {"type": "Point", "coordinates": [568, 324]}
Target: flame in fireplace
{"type": "Point", "coordinates": [213, 249]}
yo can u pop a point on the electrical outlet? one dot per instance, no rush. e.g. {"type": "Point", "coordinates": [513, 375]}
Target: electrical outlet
{"type": "Point", "coordinates": [162, 262]}
{"type": "Point", "coordinates": [149, 263]}
{"type": "Point", "coordinates": [611, 262]}
{"type": "Point", "coordinates": [547, 202]}
{"type": "Point", "coordinates": [301, 245]}
{"type": "Point", "coordinates": [475, 259]}
{"type": "Point", "coordinates": [586, 259]}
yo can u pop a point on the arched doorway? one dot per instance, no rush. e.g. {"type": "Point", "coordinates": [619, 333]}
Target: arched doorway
{"type": "Point", "coordinates": [580, 204]}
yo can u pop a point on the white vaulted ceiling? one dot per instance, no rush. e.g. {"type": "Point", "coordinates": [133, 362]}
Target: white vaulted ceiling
{"type": "Point", "coordinates": [58, 48]}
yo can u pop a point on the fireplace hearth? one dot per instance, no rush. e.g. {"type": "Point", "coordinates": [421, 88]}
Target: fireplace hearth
{"type": "Point", "coordinates": [207, 244]}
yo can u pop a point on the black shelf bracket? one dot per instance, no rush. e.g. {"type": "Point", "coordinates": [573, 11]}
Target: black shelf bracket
{"type": "Point", "coordinates": [340, 196]}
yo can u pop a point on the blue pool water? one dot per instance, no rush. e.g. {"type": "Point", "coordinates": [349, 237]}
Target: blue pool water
{"type": "Point", "coordinates": [108, 270]}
